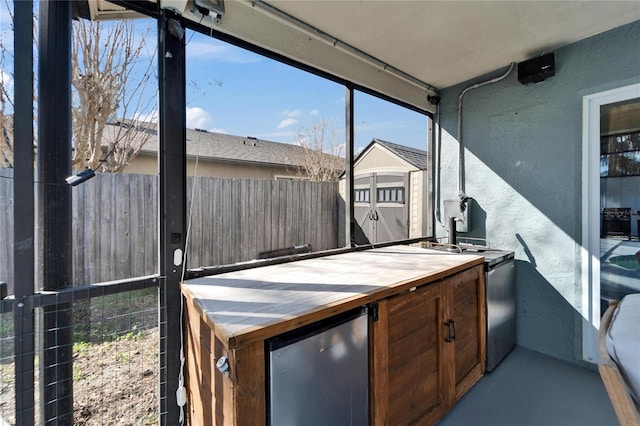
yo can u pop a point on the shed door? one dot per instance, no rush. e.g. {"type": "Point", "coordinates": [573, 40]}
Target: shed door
{"type": "Point", "coordinates": [381, 207]}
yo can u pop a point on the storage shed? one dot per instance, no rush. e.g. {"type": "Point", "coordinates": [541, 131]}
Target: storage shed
{"type": "Point", "coordinates": [390, 197]}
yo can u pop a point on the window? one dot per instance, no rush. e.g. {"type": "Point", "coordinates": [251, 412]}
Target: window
{"type": "Point", "coordinates": [391, 195]}
{"type": "Point", "coordinates": [620, 154]}
{"type": "Point", "coordinates": [361, 195]}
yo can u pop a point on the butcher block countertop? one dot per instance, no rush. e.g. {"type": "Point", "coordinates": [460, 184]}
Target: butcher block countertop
{"type": "Point", "coordinates": [246, 306]}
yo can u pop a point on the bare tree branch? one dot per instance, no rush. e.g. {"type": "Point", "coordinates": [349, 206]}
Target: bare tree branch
{"type": "Point", "coordinates": [104, 60]}
{"type": "Point", "coordinates": [323, 152]}
{"type": "Point", "coordinates": [6, 102]}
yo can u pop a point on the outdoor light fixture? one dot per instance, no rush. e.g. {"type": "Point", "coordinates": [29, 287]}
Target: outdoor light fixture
{"type": "Point", "coordinates": [78, 178]}
{"type": "Point", "coordinates": [206, 6]}
{"type": "Point", "coordinates": [85, 175]}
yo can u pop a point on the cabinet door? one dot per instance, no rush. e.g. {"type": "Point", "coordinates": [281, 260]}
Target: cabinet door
{"type": "Point", "coordinates": [407, 358]}
{"type": "Point", "coordinates": [466, 309]}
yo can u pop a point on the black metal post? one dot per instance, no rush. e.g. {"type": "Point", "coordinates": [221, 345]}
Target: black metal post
{"type": "Point", "coordinates": [54, 207]}
{"type": "Point", "coordinates": [23, 211]}
{"type": "Point", "coordinates": [172, 188]}
{"type": "Point", "coordinates": [350, 226]}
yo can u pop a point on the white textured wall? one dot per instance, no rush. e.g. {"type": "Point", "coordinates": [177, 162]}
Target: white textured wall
{"type": "Point", "coordinates": [523, 148]}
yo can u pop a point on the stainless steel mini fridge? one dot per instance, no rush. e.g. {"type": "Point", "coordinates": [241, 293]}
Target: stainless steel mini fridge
{"type": "Point", "coordinates": [500, 281]}
{"type": "Point", "coordinates": [318, 375]}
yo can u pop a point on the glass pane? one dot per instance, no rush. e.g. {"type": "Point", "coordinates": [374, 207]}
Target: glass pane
{"type": "Point", "coordinates": [620, 200]}
{"type": "Point", "coordinates": [390, 142]}
{"type": "Point", "coordinates": [115, 134]}
{"type": "Point", "coordinates": [621, 143]}
{"type": "Point", "coordinates": [6, 145]}
{"type": "Point", "coordinates": [620, 164]}
{"type": "Point", "coordinates": [266, 146]}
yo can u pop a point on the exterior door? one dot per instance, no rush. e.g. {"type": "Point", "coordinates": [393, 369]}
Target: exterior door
{"type": "Point", "coordinates": [611, 205]}
{"type": "Point", "coordinates": [381, 206]}
{"type": "Point", "coordinates": [619, 199]}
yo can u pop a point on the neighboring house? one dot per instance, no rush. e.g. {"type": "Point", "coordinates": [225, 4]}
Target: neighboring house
{"type": "Point", "coordinates": [390, 192]}
{"type": "Point", "coordinates": [221, 155]}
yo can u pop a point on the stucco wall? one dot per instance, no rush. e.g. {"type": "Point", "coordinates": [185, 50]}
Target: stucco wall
{"type": "Point", "coordinates": [145, 164]}
{"type": "Point", "coordinates": [523, 148]}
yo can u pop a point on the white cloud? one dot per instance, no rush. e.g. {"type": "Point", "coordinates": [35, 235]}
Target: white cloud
{"type": "Point", "coordinates": [314, 112]}
{"type": "Point", "coordinates": [287, 122]}
{"type": "Point", "coordinates": [292, 113]}
{"type": "Point", "coordinates": [213, 50]}
{"type": "Point", "coordinates": [197, 118]}
{"type": "Point", "coordinates": [149, 117]}
{"type": "Point", "coordinates": [7, 82]}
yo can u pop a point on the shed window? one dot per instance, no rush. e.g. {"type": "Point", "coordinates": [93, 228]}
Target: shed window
{"type": "Point", "coordinates": [361, 195]}
{"type": "Point", "coordinates": [391, 195]}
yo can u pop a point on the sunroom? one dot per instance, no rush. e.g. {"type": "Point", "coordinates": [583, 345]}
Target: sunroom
{"type": "Point", "coordinates": [529, 114]}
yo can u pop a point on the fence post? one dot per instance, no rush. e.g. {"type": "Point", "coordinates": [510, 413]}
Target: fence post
{"type": "Point", "coordinates": [54, 165]}
{"type": "Point", "coordinates": [348, 169]}
{"type": "Point", "coordinates": [23, 213]}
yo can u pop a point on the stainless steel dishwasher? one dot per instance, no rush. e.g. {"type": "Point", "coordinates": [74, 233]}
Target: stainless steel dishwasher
{"type": "Point", "coordinates": [319, 374]}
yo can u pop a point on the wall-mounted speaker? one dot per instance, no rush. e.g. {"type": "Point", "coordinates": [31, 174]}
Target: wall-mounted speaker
{"type": "Point", "coordinates": [537, 69]}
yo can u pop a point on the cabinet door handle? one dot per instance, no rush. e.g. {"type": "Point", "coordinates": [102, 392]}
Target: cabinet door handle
{"type": "Point", "coordinates": [453, 323]}
{"type": "Point", "coordinates": [451, 331]}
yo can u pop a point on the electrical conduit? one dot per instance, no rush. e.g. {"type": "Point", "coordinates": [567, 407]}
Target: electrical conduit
{"type": "Point", "coordinates": [461, 193]}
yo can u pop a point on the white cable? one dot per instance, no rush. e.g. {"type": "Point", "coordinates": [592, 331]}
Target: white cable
{"type": "Point", "coordinates": [181, 393]}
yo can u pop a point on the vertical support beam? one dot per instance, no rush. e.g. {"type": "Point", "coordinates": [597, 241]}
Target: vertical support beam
{"type": "Point", "coordinates": [172, 188]}
{"type": "Point", "coordinates": [23, 211]}
{"type": "Point", "coordinates": [54, 206]}
{"type": "Point", "coordinates": [350, 226]}
{"type": "Point", "coordinates": [429, 190]}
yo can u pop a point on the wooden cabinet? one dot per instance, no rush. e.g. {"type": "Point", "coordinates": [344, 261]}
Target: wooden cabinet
{"type": "Point", "coordinates": [423, 298]}
{"type": "Point", "coordinates": [427, 349]}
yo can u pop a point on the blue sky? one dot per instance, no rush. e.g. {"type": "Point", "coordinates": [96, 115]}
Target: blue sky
{"type": "Point", "coordinates": [234, 91]}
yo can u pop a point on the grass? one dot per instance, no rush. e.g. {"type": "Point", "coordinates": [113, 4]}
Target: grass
{"type": "Point", "coordinates": [111, 317]}
{"type": "Point", "coordinates": [115, 338]}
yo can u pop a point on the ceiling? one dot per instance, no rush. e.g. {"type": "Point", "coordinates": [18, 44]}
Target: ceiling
{"type": "Point", "coordinates": [408, 50]}
{"type": "Point", "coordinates": [447, 42]}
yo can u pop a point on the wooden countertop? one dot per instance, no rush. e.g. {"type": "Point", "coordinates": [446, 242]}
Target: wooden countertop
{"type": "Point", "coordinates": [255, 304]}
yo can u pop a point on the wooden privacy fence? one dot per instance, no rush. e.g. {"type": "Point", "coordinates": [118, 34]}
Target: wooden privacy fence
{"type": "Point", "coordinates": [115, 220]}
{"type": "Point", "coordinates": [6, 226]}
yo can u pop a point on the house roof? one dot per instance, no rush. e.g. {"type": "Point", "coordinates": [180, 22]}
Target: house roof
{"type": "Point", "coordinates": [415, 157]}
{"type": "Point", "coordinates": [230, 148]}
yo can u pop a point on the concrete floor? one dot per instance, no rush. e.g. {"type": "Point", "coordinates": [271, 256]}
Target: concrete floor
{"type": "Point", "coordinates": [531, 389]}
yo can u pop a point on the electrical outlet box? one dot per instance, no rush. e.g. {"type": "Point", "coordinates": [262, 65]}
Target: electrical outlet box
{"type": "Point", "coordinates": [459, 210]}
{"type": "Point", "coordinates": [178, 6]}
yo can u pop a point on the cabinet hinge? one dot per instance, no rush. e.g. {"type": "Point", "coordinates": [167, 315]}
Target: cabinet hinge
{"type": "Point", "coordinates": [373, 311]}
